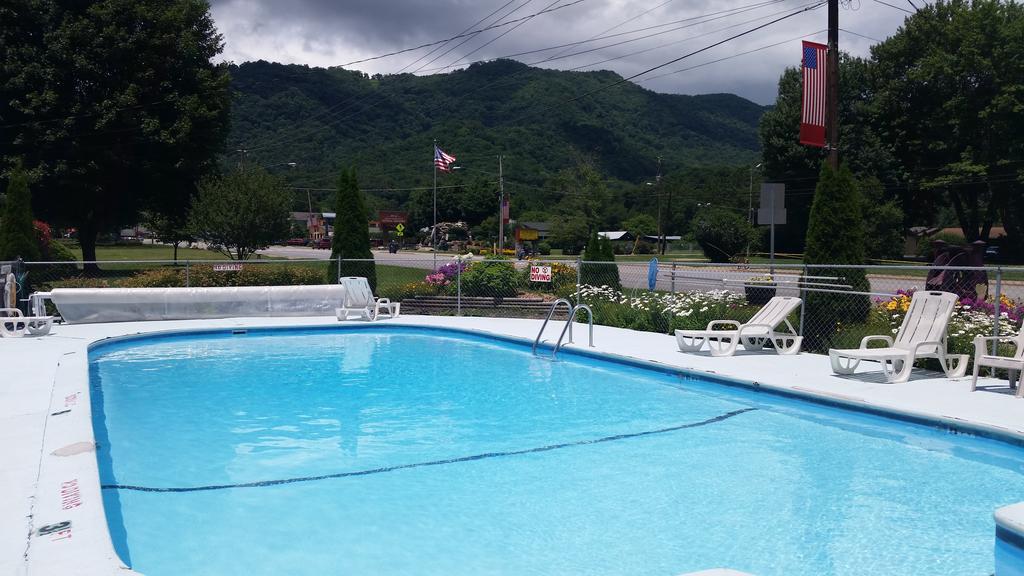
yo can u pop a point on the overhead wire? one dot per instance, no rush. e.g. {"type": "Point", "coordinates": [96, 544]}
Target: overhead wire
{"type": "Point", "coordinates": [461, 34]}
{"type": "Point", "coordinates": [884, 3]}
{"type": "Point", "coordinates": [672, 61]}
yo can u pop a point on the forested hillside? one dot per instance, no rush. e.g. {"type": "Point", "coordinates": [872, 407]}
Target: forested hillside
{"type": "Point", "coordinates": [323, 119]}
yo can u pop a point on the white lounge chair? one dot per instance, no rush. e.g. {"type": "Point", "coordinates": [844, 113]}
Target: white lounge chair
{"type": "Point", "coordinates": [922, 335]}
{"type": "Point", "coordinates": [1013, 364]}
{"type": "Point", "coordinates": [360, 302]}
{"type": "Point", "coordinates": [753, 334]}
{"type": "Point", "coordinates": [14, 324]}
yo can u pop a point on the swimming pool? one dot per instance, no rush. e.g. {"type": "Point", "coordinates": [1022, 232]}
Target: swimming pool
{"type": "Point", "coordinates": [401, 451]}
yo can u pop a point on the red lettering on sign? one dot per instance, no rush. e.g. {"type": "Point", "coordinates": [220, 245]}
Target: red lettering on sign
{"type": "Point", "coordinates": [70, 495]}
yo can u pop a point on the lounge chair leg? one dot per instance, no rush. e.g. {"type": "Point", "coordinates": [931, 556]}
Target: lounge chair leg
{"type": "Point", "coordinates": [955, 366]}
{"type": "Point", "coordinates": [690, 343]}
{"type": "Point", "coordinates": [843, 364]}
{"type": "Point", "coordinates": [754, 344]}
{"type": "Point", "coordinates": [784, 349]}
{"type": "Point", "coordinates": [723, 345]}
{"type": "Point", "coordinates": [974, 378]}
{"type": "Point", "coordinates": [897, 370]}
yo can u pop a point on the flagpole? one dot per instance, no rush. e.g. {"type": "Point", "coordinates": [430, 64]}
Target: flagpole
{"type": "Point", "coordinates": [832, 68]}
{"type": "Point", "coordinates": [433, 232]}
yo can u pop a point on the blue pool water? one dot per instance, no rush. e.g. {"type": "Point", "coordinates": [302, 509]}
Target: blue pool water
{"type": "Point", "coordinates": [410, 451]}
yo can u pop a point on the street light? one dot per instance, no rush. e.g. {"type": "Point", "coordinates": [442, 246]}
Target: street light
{"type": "Point", "coordinates": [750, 194]}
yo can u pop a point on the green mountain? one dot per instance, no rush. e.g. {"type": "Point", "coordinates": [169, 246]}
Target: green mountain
{"type": "Point", "coordinates": [540, 120]}
{"type": "Point", "coordinates": [323, 118]}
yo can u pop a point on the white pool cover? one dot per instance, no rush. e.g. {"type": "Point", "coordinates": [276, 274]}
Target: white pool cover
{"type": "Point", "coordinates": [85, 305]}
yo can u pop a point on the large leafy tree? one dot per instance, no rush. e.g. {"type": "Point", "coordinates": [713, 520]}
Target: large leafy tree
{"type": "Point", "coordinates": [115, 105]}
{"type": "Point", "coordinates": [950, 100]}
{"type": "Point", "coordinates": [241, 212]}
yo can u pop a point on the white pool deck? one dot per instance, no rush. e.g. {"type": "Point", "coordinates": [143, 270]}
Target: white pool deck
{"type": "Point", "coordinates": [49, 472]}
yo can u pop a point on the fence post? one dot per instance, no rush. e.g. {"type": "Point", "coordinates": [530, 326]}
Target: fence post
{"type": "Point", "coordinates": [579, 262]}
{"type": "Point", "coordinates": [803, 301]}
{"type": "Point", "coordinates": [338, 280]}
{"type": "Point", "coordinates": [998, 312]}
{"type": "Point", "coordinates": [187, 285]}
{"type": "Point", "coordinates": [673, 277]}
{"type": "Point", "coordinates": [458, 289]}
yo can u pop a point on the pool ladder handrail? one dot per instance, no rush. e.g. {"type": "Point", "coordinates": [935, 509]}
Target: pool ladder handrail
{"type": "Point", "coordinates": [568, 324]}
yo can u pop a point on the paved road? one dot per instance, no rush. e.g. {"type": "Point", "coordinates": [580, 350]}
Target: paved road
{"type": "Point", "coordinates": [634, 274]}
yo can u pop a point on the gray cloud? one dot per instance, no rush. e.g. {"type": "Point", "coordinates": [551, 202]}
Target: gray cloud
{"type": "Point", "coordinates": [330, 33]}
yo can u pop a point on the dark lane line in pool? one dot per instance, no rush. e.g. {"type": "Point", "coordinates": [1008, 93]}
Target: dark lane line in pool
{"type": "Point", "coordinates": [483, 456]}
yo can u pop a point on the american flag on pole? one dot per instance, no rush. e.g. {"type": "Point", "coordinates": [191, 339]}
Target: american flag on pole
{"type": "Point", "coordinates": [812, 109]}
{"type": "Point", "coordinates": [442, 160]}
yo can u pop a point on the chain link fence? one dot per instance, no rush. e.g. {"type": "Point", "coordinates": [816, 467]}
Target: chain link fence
{"type": "Point", "coordinates": [841, 304]}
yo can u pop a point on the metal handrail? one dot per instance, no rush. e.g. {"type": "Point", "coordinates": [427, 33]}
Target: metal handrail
{"type": "Point", "coordinates": [568, 325]}
{"type": "Point", "coordinates": [551, 312]}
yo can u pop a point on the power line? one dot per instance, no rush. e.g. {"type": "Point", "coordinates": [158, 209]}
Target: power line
{"type": "Point", "coordinates": [499, 36]}
{"type": "Point", "coordinates": [765, 47]}
{"type": "Point", "coordinates": [674, 60]}
{"type": "Point", "coordinates": [603, 36]}
{"type": "Point", "coordinates": [860, 35]}
{"type": "Point", "coordinates": [882, 2]}
{"type": "Point", "coordinates": [461, 35]}
{"type": "Point", "coordinates": [674, 42]}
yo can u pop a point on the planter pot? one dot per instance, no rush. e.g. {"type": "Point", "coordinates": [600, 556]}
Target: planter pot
{"type": "Point", "coordinates": [760, 295]}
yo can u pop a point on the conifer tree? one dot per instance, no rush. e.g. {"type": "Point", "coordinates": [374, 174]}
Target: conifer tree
{"type": "Point", "coordinates": [17, 235]}
{"type": "Point", "coordinates": [835, 235]}
{"type": "Point", "coordinates": [351, 232]}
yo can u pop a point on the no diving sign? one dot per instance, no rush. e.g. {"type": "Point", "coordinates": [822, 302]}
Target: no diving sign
{"type": "Point", "coordinates": [540, 273]}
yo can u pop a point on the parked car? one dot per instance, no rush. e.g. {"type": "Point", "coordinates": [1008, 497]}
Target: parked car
{"type": "Point", "coordinates": [297, 242]}
{"type": "Point", "coordinates": [323, 243]}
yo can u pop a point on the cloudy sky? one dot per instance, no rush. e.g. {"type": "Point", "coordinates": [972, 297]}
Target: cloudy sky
{"type": "Point", "coordinates": [334, 33]}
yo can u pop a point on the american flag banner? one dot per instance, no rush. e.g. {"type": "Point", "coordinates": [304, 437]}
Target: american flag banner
{"type": "Point", "coordinates": [812, 105]}
{"type": "Point", "coordinates": [442, 160]}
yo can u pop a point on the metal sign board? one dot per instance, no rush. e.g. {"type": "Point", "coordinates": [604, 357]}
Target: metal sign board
{"type": "Point", "coordinates": [773, 199]}
{"type": "Point", "coordinates": [540, 273]}
{"type": "Point", "coordinates": [764, 216]}
{"type": "Point", "coordinates": [392, 217]}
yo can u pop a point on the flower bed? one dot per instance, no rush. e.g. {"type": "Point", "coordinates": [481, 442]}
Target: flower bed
{"type": "Point", "coordinates": [664, 312]}
{"type": "Point", "coordinates": [970, 318]}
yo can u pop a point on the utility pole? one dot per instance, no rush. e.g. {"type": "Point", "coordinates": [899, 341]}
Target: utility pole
{"type": "Point", "coordinates": [832, 120]}
{"type": "Point", "coordinates": [661, 222]}
{"type": "Point", "coordinates": [433, 231]}
{"type": "Point", "coordinates": [501, 209]}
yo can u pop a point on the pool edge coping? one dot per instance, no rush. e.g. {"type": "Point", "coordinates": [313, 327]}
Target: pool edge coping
{"type": "Point", "coordinates": [98, 544]}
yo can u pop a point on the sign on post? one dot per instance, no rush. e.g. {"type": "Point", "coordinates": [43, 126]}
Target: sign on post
{"type": "Point", "coordinates": [227, 267]}
{"type": "Point", "coordinates": [399, 229]}
{"type": "Point", "coordinates": [773, 199]}
{"type": "Point", "coordinates": [540, 273]}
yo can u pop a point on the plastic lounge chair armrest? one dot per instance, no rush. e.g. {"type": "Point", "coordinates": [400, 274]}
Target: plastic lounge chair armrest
{"type": "Point", "coordinates": [979, 344]}
{"type": "Point", "coordinates": [747, 327]}
{"type": "Point", "coordinates": [10, 312]}
{"type": "Point", "coordinates": [938, 346]}
{"type": "Point", "coordinates": [864, 341]}
{"type": "Point", "coordinates": [713, 323]}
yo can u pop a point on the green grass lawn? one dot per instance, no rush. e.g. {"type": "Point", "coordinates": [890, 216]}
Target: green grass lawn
{"type": "Point", "coordinates": [148, 252]}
